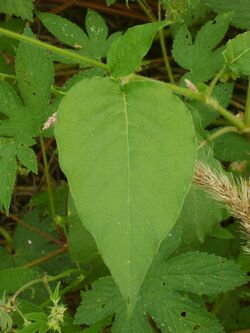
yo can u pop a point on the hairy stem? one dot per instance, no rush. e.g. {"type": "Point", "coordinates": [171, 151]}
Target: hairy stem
{"type": "Point", "coordinates": [66, 53]}
{"type": "Point", "coordinates": [43, 279]}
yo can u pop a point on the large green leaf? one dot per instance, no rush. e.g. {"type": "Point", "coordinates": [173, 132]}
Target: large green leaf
{"type": "Point", "coordinates": [237, 54]}
{"type": "Point", "coordinates": [22, 119]}
{"type": "Point", "coordinates": [123, 149]}
{"type": "Point", "coordinates": [239, 8]}
{"type": "Point", "coordinates": [127, 51]}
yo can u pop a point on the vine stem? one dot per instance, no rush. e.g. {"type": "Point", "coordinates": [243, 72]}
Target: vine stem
{"type": "Point", "coordinates": [217, 134]}
{"type": "Point", "coordinates": [45, 279]}
{"type": "Point", "coordinates": [214, 81]}
{"type": "Point", "coordinates": [247, 109]}
{"type": "Point", "coordinates": [145, 7]}
{"type": "Point", "coordinates": [76, 56]}
{"type": "Point", "coordinates": [210, 101]}
{"type": "Point", "coordinates": [48, 180]}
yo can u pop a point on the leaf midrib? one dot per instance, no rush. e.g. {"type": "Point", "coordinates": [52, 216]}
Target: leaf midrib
{"type": "Point", "coordinates": [128, 181]}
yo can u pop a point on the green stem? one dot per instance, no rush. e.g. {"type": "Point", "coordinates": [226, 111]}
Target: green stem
{"type": "Point", "coordinates": [209, 101]}
{"type": "Point", "coordinates": [44, 280]}
{"type": "Point", "coordinates": [247, 109]}
{"type": "Point", "coordinates": [164, 48]}
{"type": "Point", "coordinates": [217, 134]}
{"type": "Point", "coordinates": [4, 76]}
{"type": "Point", "coordinates": [66, 53]}
{"type": "Point", "coordinates": [214, 81]}
{"type": "Point", "coordinates": [147, 10]}
{"type": "Point", "coordinates": [48, 179]}
{"type": "Point", "coordinates": [145, 7]}
{"type": "Point", "coordinates": [165, 56]}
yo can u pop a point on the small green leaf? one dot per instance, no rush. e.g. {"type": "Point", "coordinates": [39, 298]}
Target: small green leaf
{"type": "Point", "coordinates": [240, 10]}
{"type": "Point", "coordinates": [200, 57]}
{"type": "Point", "coordinates": [237, 54]}
{"type": "Point", "coordinates": [116, 183]}
{"type": "Point", "coordinates": [38, 323]}
{"type": "Point", "coordinates": [64, 30]}
{"type": "Point", "coordinates": [232, 147]}
{"type": "Point", "coordinates": [21, 8]}
{"type": "Point", "coordinates": [102, 301]}
{"type": "Point", "coordinates": [96, 27]}
{"type": "Point", "coordinates": [128, 50]}
{"type": "Point", "coordinates": [27, 157]}
{"type": "Point", "coordinates": [8, 176]}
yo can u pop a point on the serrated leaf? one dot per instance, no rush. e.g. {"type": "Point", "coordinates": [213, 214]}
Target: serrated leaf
{"type": "Point", "coordinates": [127, 51]}
{"type": "Point", "coordinates": [34, 76]}
{"type": "Point", "coordinates": [200, 57]}
{"type": "Point", "coordinates": [116, 187]}
{"type": "Point", "coordinates": [240, 9]}
{"type": "Point", "coordinates": [172, 312]}
{"type": "Point", "coordinates": [24, 118]}
{"type": "Point", "coordinates": [175, 313]}
{"type": "Point", "coordinates": [200, 273]}
{"type": "Point", "coordinates": [232, 147]}
{"type": "Point", "coordinates": [64, 30]}
{"type": "Point", "coordinates": [14, 278]}
{"type": "Point", "coordinates": [100, 302]}
{"type": "Point", "coordinates": [237, 54]}
{"type": "Point", "coordinates": [8, 176]}
{"type": "Point", "coordinates": [21, 8]}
